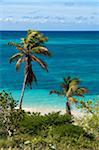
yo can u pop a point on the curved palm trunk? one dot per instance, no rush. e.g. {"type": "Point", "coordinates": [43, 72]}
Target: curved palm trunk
{"type": "Point", "coordinates": [68, 108]}
{"type": "Point", "coordinates": [22, 94]}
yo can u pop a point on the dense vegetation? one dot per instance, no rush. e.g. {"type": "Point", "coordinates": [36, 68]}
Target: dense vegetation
{"type": "Point", "coordinates": [53, 131]}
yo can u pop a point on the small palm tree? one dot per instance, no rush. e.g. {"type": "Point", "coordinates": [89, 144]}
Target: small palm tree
{"type": "Point", "coordinates": [28, 48]}
{"type": "Point", "coordinates": [69, 88]}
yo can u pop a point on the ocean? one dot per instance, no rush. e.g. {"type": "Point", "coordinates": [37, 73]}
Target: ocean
{"type": "Point", "coordinates": [74, 54]}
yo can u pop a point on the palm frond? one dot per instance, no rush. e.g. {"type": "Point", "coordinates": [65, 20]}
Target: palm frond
{"type": "Point", "coordinates": [15, 57]}
{"type": "Point", "coordinates": [67, 80]}
{"type": "Point", "coordinates": [81, 91]}
{"type": "Point", "coordinates": [32, 32]}
{"type": "Point", "coordinates": [32, 36]}
{"type": "Point", "coordinates": [43, 39]}
{"type": "Point", "coordinates": [30, 75]}
{"type": "Point", "coordinates": [71, 99]}
{"type": "Point", "coordinates": [20, 60]}
{"type": "Point", "coordinates": [56, 92]}
{"type": "Point", "coordinates": [40, 62]}
{"type": "Point", "coordinates": [18, 46]}
{"type": "Point", "coordinates": [13, 44]}
{"type": "Point", "coordinates": [74, 82]}
{"type": "Point", "coordinates": [69, 92]}
{"type": "Point", "coordinates": [35, 37]}
{"type": "Point", "coordinates": [38, 36]}
{"type": "Point", "coordinates": [41, 50]}
{"type": "Point", "coordinates": [63, 85]}
{"type": "Point", "coordinates": [34, 77]}
{"type": "Point", "coordinates": [23, 40]}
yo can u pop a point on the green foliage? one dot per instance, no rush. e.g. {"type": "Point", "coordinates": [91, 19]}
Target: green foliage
{"type": "Point", "coordinates": [68, 130]}
{"type": "Point", "coordinates": [34, 123]}
{"type": "Point", "coordinates": [53, 131]}
{"type": "Point", "coordinates": [90, 120]}
{"type": "Point", "coordinates": [9, 116]}
{"type": "Point", "coordinates": [87, 106]}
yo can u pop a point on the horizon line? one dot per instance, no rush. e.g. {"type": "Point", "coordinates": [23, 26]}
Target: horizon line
{"type": "Point", "coordinates": [54, 30]}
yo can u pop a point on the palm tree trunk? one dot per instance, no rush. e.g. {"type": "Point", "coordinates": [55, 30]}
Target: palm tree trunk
{"type": "Point", "coordinates": [68, 108]}
{"type": "Point", "coordinates": [23, 89]}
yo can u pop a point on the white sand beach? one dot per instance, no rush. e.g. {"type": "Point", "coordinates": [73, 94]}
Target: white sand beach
{"type": "Point", "coordinates": [46, 110]}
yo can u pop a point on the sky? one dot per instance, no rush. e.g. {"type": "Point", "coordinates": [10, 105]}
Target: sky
{"type": "Point", "coordinates": [49, 15]}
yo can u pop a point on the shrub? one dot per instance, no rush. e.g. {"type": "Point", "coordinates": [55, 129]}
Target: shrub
{"type": "Point", "coordinates": [34, 123]}
{"type": "Point", "coordinates": [9, 116]}
{"type": "Point", "coordinates": [90, 120]}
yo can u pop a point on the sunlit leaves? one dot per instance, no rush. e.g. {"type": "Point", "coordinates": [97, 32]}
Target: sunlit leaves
{"type": "Point", "coordinates": [40, 62]}
{"type": "Point", "coordinates": [18, 46]}
{"type": "Point", "coordinates": [18, 63]}
{"type": "Point", "coordinates": [71, 99]}
{"type": "Point", "coordinates": [70, 88]}
{"type": "Point", "coordinates": [28, 46]}
{"type": "Point", "coordinates": [16, 57]}
{"type": "Point", "coordinates": [81, 91]}
{"type": "Point", "coordinates": [41, 50]}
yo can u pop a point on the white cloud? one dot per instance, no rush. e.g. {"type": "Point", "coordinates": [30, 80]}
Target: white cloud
{"type": "Point", "coordinates": [8, 19]}
{"type": "Point", "coordinates": [49, 19]}
{"type": "Point", "coordinates": [59, 14]}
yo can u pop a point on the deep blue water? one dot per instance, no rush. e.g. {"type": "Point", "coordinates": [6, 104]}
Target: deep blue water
{"type": "Point", "coordinates": [74, 54]}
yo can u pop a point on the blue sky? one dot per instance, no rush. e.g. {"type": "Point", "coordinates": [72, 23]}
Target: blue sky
{"type": "Point", "coordinates": [49, 14]}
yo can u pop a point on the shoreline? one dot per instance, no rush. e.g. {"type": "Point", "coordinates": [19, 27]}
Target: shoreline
{"type": "Point", "coordinates": [46, 110]}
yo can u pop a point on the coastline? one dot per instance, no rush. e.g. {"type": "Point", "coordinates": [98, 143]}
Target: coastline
{"type": "Point", "coordinates": [45, 110]}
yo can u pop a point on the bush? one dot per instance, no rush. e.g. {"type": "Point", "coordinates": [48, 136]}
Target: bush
{"type": "Point", "coordinates": [35, 131]}
{"type": "Point", "coordinates": [9, 115]}
{"type": "Point", "coordinates": [90, 120]}
{"type": "Point", "coordinates": [34, 123]}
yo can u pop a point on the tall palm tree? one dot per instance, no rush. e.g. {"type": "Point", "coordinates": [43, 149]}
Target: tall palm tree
{"type": "Point", "coordinates": [28, 48]}
{"type": "Point", "coordinates": [69, 88]}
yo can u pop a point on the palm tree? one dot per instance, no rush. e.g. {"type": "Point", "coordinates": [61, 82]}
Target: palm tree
{"type": "Point", "coordinates": [69, 88]}
{"type": "Point", "coordinates": [28, 48]}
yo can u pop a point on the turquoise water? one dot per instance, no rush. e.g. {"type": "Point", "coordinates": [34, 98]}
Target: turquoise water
{"type": "Point", "coordinates": [74, 54]}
